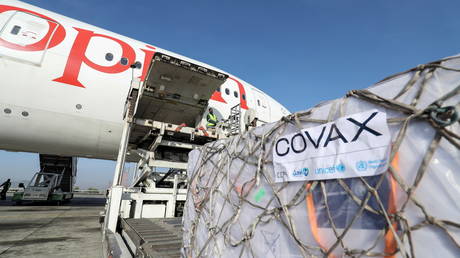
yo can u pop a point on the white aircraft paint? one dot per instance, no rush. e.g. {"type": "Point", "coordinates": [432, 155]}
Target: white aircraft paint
{"type": "Point", "coordinates": [56, 97]}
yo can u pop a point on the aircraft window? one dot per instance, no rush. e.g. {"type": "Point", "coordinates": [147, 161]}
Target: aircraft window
{"type": "Point", "coordinates": [244, 96]}
{"type": "Point", "coordinates": [15, 30]}
{"type": "Point", "coordinates": [109, 56]}
{"type": "Point", "coordinates": [235, 94]}
{"type": "Point", "coordinates": [227, 91]}
{"type": "Point", "coordinates": [7, 111]}
{"type": "Point", "coordinates": [124, 61]}
{"type": "Point", "coordinates": [137, 65]}
{"type": "Point", "coordinates": [258, 102]}
{"type": "Point", "coordinates": [25, 113]}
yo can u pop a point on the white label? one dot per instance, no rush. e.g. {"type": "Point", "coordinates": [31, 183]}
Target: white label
{"type": "Point", "coordinates": [353, 146]}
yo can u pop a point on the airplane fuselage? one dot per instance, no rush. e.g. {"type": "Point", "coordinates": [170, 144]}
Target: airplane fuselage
{"type": "Point", "coordinates": [64, 83]}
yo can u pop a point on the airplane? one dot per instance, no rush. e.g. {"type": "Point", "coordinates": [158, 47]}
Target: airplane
{"type": "Point", "coordinates": [64, 84]}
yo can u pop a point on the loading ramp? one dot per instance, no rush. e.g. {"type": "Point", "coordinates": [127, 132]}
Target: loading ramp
{"type": "Point", "coordinates": [154, 237]}
{"type": "Point", "coordinates": [162, 123]}
{"type": "Point", "coordinates": [163, 113]}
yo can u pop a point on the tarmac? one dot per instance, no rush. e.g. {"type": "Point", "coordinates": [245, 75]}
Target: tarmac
{"type": "Point", "coordinates": [47, 230]}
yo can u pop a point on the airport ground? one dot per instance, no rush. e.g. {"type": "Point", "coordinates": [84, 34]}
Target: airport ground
{"type": "Point", "coordinates": [47, 230]}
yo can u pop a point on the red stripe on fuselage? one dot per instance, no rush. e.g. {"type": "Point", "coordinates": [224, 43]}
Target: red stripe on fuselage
{"type": "Point", "coordinates": [243, 102]}
{"type": "Point", "coordinates": [217, 95]}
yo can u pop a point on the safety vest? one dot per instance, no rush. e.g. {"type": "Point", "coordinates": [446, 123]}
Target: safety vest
{"type": "Point", "coordinates": [212, 119]}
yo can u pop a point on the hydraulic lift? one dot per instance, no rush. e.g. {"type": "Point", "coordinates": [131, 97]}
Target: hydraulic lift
{"type": "Point", "coordinates": [53, 183]}
{"type": "Point", "coordinates": [163, 122]}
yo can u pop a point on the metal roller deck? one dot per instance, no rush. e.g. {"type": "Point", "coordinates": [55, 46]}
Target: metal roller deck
{"type": "Point", "coordinates": [154, 237]}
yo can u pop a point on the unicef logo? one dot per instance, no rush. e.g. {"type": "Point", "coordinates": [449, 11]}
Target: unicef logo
{"type": "Point", "coordinates": [361, 165]}
{"type": "Point", "coordinates": [301, 172]}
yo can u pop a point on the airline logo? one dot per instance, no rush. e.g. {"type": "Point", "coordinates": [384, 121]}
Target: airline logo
{"type": "Point", "coordinates": [77, 57]}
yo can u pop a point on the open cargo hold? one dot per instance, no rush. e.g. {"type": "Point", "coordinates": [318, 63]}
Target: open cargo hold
{"type": "Point", "coordinates": [239, 205]}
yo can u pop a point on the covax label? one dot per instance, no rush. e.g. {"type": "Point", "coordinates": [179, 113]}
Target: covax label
{"type": "Point", "coordinates": [352, 146]}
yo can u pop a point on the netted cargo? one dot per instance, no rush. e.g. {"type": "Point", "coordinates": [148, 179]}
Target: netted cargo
{"type": "Point", "coordinates": [259, 195]}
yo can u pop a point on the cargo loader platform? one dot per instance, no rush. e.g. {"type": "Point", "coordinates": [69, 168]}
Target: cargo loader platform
{"type": "Point", "coordinates": [164, 120]}
{"type": "Point", "coordinates": [154, 237]}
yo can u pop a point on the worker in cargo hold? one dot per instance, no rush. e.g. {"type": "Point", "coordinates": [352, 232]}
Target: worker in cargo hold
{"type": "Point", "coordinates": [6, 185]}
{"type": "Point", "coordinates": [212, 119]}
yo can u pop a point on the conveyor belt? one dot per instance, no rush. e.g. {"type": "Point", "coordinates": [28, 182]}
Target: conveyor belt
{"type": "Point", "coordinates": [155, 237]}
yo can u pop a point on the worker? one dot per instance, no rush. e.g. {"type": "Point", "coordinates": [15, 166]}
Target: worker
{"type": "Point", "coordinates": [6, 185]}
{"type": "Point", "coordinates": [211, 118]}
{"type": "Point", "coordinates": [46, 180]}
{"type": "Point", "coordinates": [252, 124]}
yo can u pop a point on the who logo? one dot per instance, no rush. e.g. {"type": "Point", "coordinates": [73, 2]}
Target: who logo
{"type": "Point", "coordinates": [361, 165]}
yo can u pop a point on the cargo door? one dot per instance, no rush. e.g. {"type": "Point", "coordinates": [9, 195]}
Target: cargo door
{"type": "Point", "coordinates": [177, 91]}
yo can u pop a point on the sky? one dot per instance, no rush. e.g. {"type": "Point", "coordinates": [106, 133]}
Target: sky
{"type": "Point", "coordinates": [300, 52]}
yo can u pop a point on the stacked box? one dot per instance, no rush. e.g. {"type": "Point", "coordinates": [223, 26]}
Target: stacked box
{"type": "Point", "coordinates": [244, 200]}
